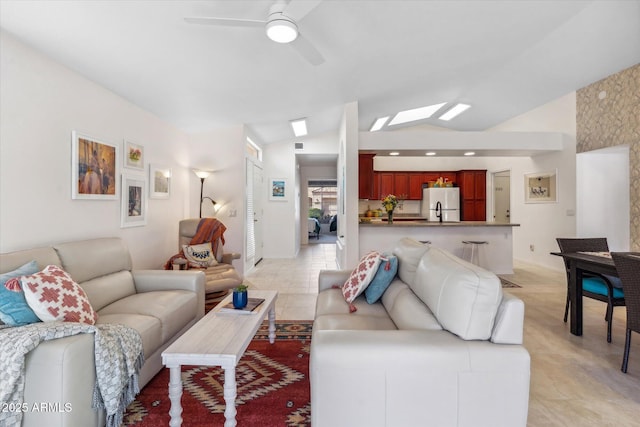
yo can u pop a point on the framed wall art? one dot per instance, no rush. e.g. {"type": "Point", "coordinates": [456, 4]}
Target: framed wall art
{"type": "Point", "coordinates": [159, 182]}
{"type": "Point", "coordinates": [541, 187]}
{"type": "Point", "coordinates": [133, 155]}
{"type": "Point", "coordinates": [278, 189]}
{"type": "Point", "coordinates": [134, 201]}
{"type": "Point", "coordinates": [93, 168]}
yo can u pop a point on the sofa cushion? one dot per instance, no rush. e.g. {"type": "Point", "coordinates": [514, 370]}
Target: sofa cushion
{"type": "Point", "coordinates": [331, 301]}
{"type": "Point", "coordinates": [87, 259]}
{"type": "Point", "coordinates": [53, 295]}
{"type": "Point", "coordinates": [349, 321]}
{"type": "Point", "coordinates": [14, 309]}
{"type": "Point", "coordinates": [106, 289]}
{"type": "Point", "coordinates": [409, 253]}
{"type": "Point", "coordinates": [200, 255]}
{"type": "Point", "coordinates": [407, 310]}
{"type": "Point", "coordinates": [463, 297]}
{"type": "Point", "coordinates": [149, 328]}
{"type": "Point", "coordinates": [173, 308]}
{"type": "Point", "coordinates": [381, 281]}
{"type": "Point", "coordinates": [360, 278]}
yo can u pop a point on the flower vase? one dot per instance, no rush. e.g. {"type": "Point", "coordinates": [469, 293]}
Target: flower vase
{"type": "Point", "coordinates": [390, 217]}
{"type": "Point", "coordinates": [240, 299]}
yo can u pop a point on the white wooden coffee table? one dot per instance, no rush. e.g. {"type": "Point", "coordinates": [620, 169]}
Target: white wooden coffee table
{"type": "Point", "coordinates": [218, 339]}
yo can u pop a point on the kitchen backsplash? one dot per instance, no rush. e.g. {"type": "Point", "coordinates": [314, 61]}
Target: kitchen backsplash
{"type": "Point", "coordinates": [407, 207]}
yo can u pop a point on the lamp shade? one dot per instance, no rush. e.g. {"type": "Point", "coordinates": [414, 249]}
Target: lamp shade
{"type": "Point", "coordinates": [282, 30]}
{"type": "Point", "coordinates": [201, 174]}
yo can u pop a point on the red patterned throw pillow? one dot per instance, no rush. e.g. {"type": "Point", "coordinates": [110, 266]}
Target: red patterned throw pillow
{"type": "Point", "coordinates": [360, 278]}
{"type": "Point", "coordinates": [53, 295]}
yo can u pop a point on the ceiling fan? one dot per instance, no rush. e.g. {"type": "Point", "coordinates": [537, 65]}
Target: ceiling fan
{"type": "Point", "coordinates": [281, 26]}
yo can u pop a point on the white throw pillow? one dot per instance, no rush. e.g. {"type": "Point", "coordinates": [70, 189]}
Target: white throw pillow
{"type": "Point", "coordinates": [53, 295]}
{"type": "Point", "coordinates": [200, 255]}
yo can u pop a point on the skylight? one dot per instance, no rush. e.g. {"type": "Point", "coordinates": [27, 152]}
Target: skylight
{"type": "Point", "coordinates": [377, 125]}
{"type": "Point", "coordinates": [415, 114]}
{"type": "Point", "coordinates": [453, 112]}
{"type": "Point", "coordinates": [299, 127]}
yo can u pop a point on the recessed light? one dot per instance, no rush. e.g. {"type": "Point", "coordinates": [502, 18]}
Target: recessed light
{"type": "Point", "coordinates": [415, 114]}
{"type": "Point", "coordinates": [299, 127]}
{"type": "Point", "coordinates": [470, 153]}
{"type": "Point", "coordinates": [453, 112]}
{"type": "Point", "coordinates": [394, 153]}
{"type": "Point", "coordinates": [430, 153]}
{"type": "Point", "coordinates": [377, 125]}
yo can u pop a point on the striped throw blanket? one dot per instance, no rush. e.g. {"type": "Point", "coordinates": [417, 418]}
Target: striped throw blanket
{"type": "Point", "coordinates": [118, 357]}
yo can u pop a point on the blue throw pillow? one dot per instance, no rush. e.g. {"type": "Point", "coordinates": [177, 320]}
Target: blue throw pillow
{"type": "Point", "coordinates": [14, 310]}
{"type": "Point", "coordinates": [383, 278]}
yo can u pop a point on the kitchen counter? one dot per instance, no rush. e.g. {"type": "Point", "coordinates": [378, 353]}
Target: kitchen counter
{"type": "Point", "coordinates": [402, 222]}
{"type": "Point", "coordinates": [496, 255]}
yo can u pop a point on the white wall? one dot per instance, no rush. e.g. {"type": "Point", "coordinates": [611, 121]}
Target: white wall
{"type": "Point", "coordinates": [41, 103]}
{"type": "Point", "coordinates": [280, 224]}
{"type": "Point", "coordinates": [221, 151]}
{"type": "Point", "coordinates": [347, 253]}
{"type": "Point", "coordinates": [542, 223]}
{"type": "Point", "coordinates": [603, 196]}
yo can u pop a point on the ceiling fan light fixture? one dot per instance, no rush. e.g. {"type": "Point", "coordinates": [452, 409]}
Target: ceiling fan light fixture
{"type": "Point", "coordinates": [282, 30]}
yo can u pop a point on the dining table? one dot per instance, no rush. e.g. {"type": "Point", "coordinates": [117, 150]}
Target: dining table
{"type": "Point", "coordinates": [579, 264]}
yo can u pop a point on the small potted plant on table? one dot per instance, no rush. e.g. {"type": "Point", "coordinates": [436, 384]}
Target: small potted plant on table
{"type": "Point", "coordinates": [240, 296]}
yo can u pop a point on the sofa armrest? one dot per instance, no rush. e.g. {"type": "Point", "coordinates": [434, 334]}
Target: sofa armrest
{"type": "Point", "coordinates": [164, 280]}
{"type": "Point", "coordinates": [328, 278]}
{"type": "Point", "coordinates": [228, 257]}
{"type": "Point", "coordinates": [509, 323]}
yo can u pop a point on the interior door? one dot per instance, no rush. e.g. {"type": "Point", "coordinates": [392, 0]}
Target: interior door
{"type": "Point", "coordinates": [255, 187]}
{"type": "Point", "coordinates": [502, 196]}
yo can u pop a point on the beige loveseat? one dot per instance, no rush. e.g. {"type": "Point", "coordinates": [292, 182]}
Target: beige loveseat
{"type": "Point", "coordinates": [443, 347]}
{"type": "Point", "coordinates": [160, 305]}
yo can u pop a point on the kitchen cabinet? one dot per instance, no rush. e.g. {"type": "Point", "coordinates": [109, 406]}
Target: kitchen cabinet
{"type": "Point", "coordinates": [401, 185]}
{"type": "Point", "coordinates": [473, 195]}
{"type": "Point", "coordinates": [387, 182]}
{"type": "Point", "coordinates": [365, 176]}
{"type": "Point", "coordinates": [416, 179]}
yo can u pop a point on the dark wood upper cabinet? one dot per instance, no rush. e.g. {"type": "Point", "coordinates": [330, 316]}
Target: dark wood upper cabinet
{"type": "Point", "coordinates": [401, 185]}
{"type": "Point", "coordinates": [365, 176]}
{"type": "Point", "coordinates": [416, 179]}
{"type": "Point", "coordinates": [386, 184]}
{"type": "Point", "coordinates": [473, 195]}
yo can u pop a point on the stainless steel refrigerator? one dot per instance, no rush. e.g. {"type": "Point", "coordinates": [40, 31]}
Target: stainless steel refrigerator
{"type": "Point", "coordinates": [440, 203]}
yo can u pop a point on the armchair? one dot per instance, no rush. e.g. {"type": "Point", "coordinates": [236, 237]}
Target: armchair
{"type": "Point", "coordinates": [219, 278]}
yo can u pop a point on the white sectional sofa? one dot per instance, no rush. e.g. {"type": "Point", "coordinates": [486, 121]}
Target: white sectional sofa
{"type": "Point", "coordinates": [443, 347]}
{"type": "Point", "coordinates": [160, 305]}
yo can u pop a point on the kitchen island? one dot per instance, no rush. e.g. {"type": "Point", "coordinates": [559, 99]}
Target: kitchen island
{"type": "Point", "coordinates": [496, 256]}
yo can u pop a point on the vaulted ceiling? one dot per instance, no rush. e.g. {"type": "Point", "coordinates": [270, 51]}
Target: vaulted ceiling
{"type": "Point", "coordinates": [501, 57]}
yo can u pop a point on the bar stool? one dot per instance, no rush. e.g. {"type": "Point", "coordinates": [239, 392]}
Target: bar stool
{"type": "Point", "coordinates": [475, 249]}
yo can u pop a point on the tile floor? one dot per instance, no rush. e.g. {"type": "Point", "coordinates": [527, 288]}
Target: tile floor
{"type": "Point", "coordinates": [575, 381]}
{"type": "Point", "coordinates": [296, 280]}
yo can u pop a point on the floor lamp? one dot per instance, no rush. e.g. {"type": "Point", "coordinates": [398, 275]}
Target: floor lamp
{"type": "Point", "coordinates": [203, 175]}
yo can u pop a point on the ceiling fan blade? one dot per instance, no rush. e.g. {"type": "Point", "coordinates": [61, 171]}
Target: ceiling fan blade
{"type": "Point", "coordinates": [228, 22]}
{"type": "Point", "coordinates": [307, 50]}
{"type": "Point", "coordinates": [298, 9]}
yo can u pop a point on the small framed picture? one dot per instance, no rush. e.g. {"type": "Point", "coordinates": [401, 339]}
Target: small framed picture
{"type": "Point", "coordinates": [541, 187]}
{"type": "Point", "coordinates": [93, 168]}
{"type": "Point", "coordinates": [159, 182]}
{"type": "Point", "coordinates": [134, 201]}
{"type": "Point", "coordinates": [133, 155]}
{"type": "Point", "coordinates": [278, 189]}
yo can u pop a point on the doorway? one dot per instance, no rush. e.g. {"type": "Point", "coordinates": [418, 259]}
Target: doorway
{"type": "Point", "coordinates": [255, 190]}
{"type": "Point", "coordinates": [502, 196]}
{"type": "Point", "coordinates": [322, 196]}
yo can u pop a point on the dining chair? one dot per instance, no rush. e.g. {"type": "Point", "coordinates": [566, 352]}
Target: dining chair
{"type": "Point", "coordinates": [595, 286]}
{"type": "Point", "coordinates": [628, 267]}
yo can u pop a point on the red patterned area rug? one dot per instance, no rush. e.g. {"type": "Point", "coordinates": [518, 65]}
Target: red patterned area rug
{"type": "Point", "coordinates": [273, 386]}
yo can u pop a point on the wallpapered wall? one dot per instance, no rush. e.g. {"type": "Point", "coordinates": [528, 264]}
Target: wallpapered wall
{"type": "Point", "coordinates": [608, 114]}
